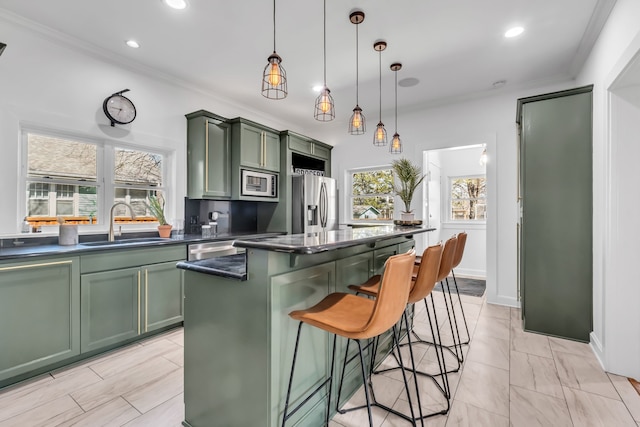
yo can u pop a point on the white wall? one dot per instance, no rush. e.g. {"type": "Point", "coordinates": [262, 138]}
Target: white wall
{"type": "Point", "coordinates": [57, 86]}
{"type": "Point", "coordinates": [616, 329]}
{"type": "Point", "coordinates": [488, 121]}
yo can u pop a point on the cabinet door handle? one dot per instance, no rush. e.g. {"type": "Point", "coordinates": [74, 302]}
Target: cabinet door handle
{"type": "Point", "coordinates": [138, 302]}
{"type": "Point", "coordinates": [42, 264]}
{"type": "Point", "coordinates": [206, 156]}
{"type": "Point", "coordinates": [146, 299]}
{"type": "Point", "coordinates": [264, 150]}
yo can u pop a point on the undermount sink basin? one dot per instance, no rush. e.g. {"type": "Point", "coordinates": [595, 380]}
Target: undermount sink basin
{"type": "Point", "coordinates": [126, 241]}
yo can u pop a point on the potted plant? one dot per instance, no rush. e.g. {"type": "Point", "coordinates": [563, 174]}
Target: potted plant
{"type": "Point", "coordinates": [410, 177]}
{"type": "Point", "coordinates": [156, 206]}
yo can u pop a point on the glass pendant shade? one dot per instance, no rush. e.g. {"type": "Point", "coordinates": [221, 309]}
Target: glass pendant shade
{"type": "Point", "coordinates": [324, 110]}
{"type": "Point", "coordinates": [396, 144]}
{"type": "Point", "coordinates": [357, 124]}
{"type": "Point", "coordinates": [380, 135]}
{"type": "Point", "coordinates": [274, 78]}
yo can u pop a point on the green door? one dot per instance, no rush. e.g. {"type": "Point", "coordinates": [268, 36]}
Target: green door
{"type": "Point", "coordinates": [556, 246]}
{"type": "Point", "coordinates": [163, 296]}
{"type": "Point", "coordinates": [291, 291]}
{"type": "Point", "coordinates": [251, 146]}
{"type": "Point", "coordinates": [271, 151]}
{"type": "Point", "coordinates": [110, 307]}
{"type": "Point", "coordinates": [39, 314]}
{"type": "Point", "coordinates": [217, 169]}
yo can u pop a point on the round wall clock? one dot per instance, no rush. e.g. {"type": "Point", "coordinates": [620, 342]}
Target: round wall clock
{"type": "Point", "coordinates": [119, 109]}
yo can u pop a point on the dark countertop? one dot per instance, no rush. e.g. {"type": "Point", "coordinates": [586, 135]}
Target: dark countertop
{"type": "Point", "coordinates": [230, 266]}
{"type": "Point", "coordinates": [329, 240]}
{"type": "Point", "coordinates": [45, 246]}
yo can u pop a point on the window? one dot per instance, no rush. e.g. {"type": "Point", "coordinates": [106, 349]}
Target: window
{"type": "Point", "coordinates": [80, 180]}
{"type": "Point", "coordinates": [372, 197]}
{"type": "Point", "coordinates": [468, 198]}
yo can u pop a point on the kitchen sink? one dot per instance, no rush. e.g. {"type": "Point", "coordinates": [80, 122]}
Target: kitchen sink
{"type": "Point", "coordinates": [126, 241]}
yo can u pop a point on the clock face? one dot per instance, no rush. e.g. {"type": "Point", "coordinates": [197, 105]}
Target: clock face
{"type": "Point", "coordinates": [119, 109]}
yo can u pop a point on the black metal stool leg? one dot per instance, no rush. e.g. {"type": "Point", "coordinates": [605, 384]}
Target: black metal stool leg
{"type": "Point", "coordinates": [286, 416]}
{"type": "Point", "coordinates": [461, 309]}
{"type": "Point", "coordinates": [455, 320]}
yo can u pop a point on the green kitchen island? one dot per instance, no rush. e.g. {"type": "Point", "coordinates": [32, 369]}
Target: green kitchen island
{"type": "Point", "coordinates": [239, 339]}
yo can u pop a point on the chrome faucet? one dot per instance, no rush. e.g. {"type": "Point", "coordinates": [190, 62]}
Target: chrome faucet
{"type": "Point", "coordinates": [111, 237]}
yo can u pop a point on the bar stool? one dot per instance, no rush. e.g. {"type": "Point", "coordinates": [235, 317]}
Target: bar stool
{"type": "Point", "coordinates": [357, 318]}
{"type": "Point", "coordinates": [462, 240]}
{"type": "Point", "coordinates": [423, 284]}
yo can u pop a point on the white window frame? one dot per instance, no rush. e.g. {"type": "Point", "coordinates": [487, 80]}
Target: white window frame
{"type": "Point", "coordinates": [449, 215]}
{"type": "Point", "coordinates": [105, 182]}
{"type": "Point", "coordinates": [350, 196]}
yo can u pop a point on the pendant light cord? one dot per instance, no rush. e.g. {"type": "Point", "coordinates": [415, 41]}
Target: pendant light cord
{"type": "Point", "coordinates": [380, 82]}
{"type": "Point", "coordinates": [396, 73]}
{"type": "Point", "coordinates": [357, 70]}
{"type": "Point", "coordinates": [274, 25]}
{"type": "Point", "coordinates": [324, 31]}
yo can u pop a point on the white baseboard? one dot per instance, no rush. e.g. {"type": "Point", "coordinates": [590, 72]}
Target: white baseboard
{"type": "Point", "coordinates": [596, 346]}
{"type": "Point", "coordinates": [503, 300]}
{"type": "Point", "coordinates": [470, 272]}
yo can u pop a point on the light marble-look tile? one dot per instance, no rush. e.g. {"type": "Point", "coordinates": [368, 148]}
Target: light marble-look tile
{"type": "Point", "coordinates": [51, 413]}
{"type": "Point", "coordinates": [629, 395]}
{"type": "Point", "coordinates": [130, 360]}
{"type": "Point", "coordinates": [464, 415]}
{"type": "Point", "coordinates": [569, 346]}
{"type": "Point", "coordinates": [20, 387]}
{"type": "Point", "coordinates": [152, 394]}
{"type": "Point", "coordinates": [490, 351]}
{"type": "Point", "coordinates": [119, 352]}
{"type": "Point", "coordinates": [429, 364]}
{"type": "Point", "coordinates": [112, 414]}
{"type": "Point", "coordinates": [592, 410]}
{"type": "Point", "coordinates": [535, 373]}
{"type": "Point", "coordinates": [529, 408]}
{"type": "Point", "coordinates": [470, 299]}
{"type": "Point", "coordinates": [584, 374]}
{"type": "Point", "coordinates": [492, 327]}
{"type": "Point", "coordinates": [22, 400]}
{"type": "Point", "coordinates": [485, 387]}
{"type": "Point", "coordinates": [402, 406]}
{"type": "Point", "coordinates": [516, 316]}
{"type": "Point", "coordinates": [169, 414]}
{"type": "Point", "coordinates": [497, 311]}
{"type": "Point", "coordinates": [176, 356]}
{"type": "Point", "coordinates": [119, 384]}
{"type": "Point", "coordinates": [527, 342]}
{"type": "Point", "coordinates": [177, 337]}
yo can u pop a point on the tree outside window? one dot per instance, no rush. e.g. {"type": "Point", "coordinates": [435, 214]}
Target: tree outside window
{"type": "Point", "coordinates": [372, 195]}
{"type": "Point", "coordinates": [468, 198]}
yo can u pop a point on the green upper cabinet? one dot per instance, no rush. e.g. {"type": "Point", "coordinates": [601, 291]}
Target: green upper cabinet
{"type": "Point", "coordinates": [255, 146]}
{"type": "Point", "coordinates": [39, 315]}
{"type": "Point", "coordinates": [315, 153]}
{"type": "Point", "coordinates": [208, 156]}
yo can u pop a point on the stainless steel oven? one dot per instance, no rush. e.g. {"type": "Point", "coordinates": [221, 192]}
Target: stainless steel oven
{"type": "Point", "coordinates": [212, 249]}
{"type": "Point", "coordinates": [259, 184]}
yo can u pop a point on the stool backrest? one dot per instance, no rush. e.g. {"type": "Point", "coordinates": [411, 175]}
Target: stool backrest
{"type": "Point", "coordinates": [457, 257]}
{"type": "Point", "coordinates": [392, 294]}
{"type": "Point", "coordinates": [427, 273]}
{"type": "Point", "coordinates": [446, 263]}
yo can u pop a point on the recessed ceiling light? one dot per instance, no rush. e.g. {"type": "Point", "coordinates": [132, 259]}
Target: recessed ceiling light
{"type": "Point", "coordinates": [408, 82]}
{"type": "Point", "coordinates": [176, 4]}
{"type": "Point", "coordinates": [498, 84]}
{"type": "Point", "coordinates": [514, 32]}
{"type": "Point", "coordinates": [132, 43]}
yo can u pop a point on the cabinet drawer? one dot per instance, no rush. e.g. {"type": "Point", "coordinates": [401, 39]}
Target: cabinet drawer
{"type": "Point", "coordinates": [125, 258]}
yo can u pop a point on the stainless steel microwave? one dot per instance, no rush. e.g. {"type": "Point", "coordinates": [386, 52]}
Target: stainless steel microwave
{"type": "Point", "coordinates": [258, 184]}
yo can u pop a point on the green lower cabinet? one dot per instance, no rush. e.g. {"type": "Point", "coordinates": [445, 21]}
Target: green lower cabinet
{"type": "Point", "coordinates": [39, 314]}
{"type": "Point", "coordinates": [110, 307]}
{"type": "Point", "coordinates": [163, 296]}
{"type": "Point", "coordinates": [292, 291]}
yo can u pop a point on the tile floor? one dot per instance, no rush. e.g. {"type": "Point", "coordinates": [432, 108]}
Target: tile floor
{"type": "Point", "coordinates": [509, 378]}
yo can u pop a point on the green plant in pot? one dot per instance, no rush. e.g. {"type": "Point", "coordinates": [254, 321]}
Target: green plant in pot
{"type": "Point", "coordinates": [409, 178]}
{"type": "Point", "coordinates": [156, 207]}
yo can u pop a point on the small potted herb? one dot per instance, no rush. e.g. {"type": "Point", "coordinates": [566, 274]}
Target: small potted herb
{"type": "Point", "coordinates": [156, 207]}
{"type": "Point", "coordinates": [410, 177]}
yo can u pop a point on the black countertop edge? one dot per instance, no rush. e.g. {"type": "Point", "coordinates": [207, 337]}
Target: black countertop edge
{"type": "Point", "coordinates": [27, 250]}
{"type": "Point", "coordinates": [230, 266]}
{"type": "Point", "coordinates": [329, 240]}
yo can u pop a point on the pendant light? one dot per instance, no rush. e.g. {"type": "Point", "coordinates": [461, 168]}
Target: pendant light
{"type": "Point", "coordinates": [357, 125]}
{"type": "Point", "coordinates": [274, 77]}
{"type": "Point", "coordinates": [324, 110]}
{"type": "Point", "coordinates": [380, 135]}
{"type": "Point", "coordinates": [396, 144]}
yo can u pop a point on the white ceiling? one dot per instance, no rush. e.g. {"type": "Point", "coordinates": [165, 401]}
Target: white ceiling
{"type": "Point", "coordinates": [455, 48]}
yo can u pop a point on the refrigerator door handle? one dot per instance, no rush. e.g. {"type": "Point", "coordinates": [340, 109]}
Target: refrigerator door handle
{"type": "Point", "coordinates": [323, 205]}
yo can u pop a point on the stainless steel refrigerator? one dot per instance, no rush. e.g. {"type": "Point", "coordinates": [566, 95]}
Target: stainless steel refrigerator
{"type": "Point", "coordinates": [315, 204]}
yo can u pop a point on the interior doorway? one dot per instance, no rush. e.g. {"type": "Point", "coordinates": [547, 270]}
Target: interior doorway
{"type": "Point", "coordinates": [455, 200]}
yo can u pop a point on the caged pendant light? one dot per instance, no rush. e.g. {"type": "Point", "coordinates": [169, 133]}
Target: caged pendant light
{"type": "Point", "coordinates": [357, 125]}
{"type": "Point", "coordinates": [324, 108]}
{"type": "Point", "coordinates": [396, 144]}
{"type": "Point", "coordinates": [380, 135]}
{"type": "Point", "coordinates": [274, 77]}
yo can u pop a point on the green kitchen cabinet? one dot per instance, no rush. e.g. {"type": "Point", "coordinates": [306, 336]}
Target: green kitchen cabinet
{"type": "Point", "coordinates": [122, 299]}
{"type": "Point", "coordinates": [305, 145]}
{"type": "Point", "coordinates": [555, 241]}
{"type": "Point", "coordinates": [254, 146]}
{"type": "Point", "coordinates": [208, 156]}
{"type": "Point", "coordinates": [39, 314]}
